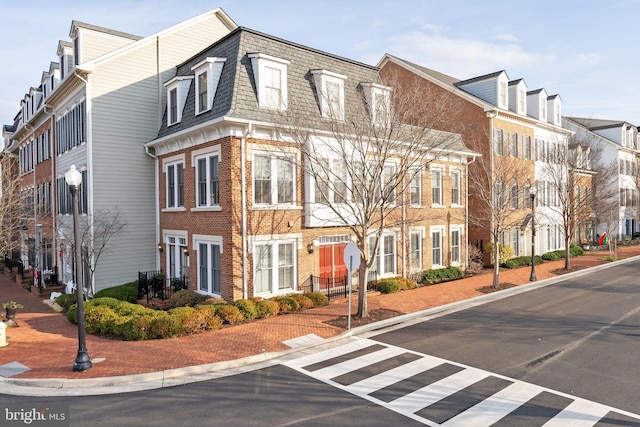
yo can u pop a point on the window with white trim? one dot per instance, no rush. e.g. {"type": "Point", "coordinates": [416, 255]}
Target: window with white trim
{"type": "Point", "coordinates": [273, 179]}
{"type": "Point", "coordinates": [436, 187]}
{"type": "Point", "coordinates": [436, 248]}
{"type": "Point", "coordinates": [175, 184]}
{"type": "Point", "coordinates": [208, 180]}
{"type": "Point", "coordinates": [514, 196]}
{"type": "Point", "coordinates": [176, 258]}
{"type": "Point", "coordinates": [415, 250]}
{"type": "Point", "coordinates": [385, 263]}
{"type": "Point", "coordinates": [378, 98]}
{"type": "Point", "coordinates": [330, 92]}
{"type": "Point", "coordinates": [513, 144]}
{"type": "Point", "coordinates": [270, 75]}
{"type": "Point", "coordinates": [389, 179]}
{"type": "Point", "coordinates": [455, 246]}
{"type": "Point", "coordinates": [274, 267]}
{"type": "Point", "coordinates": [514, 240]}
{"type": "Point", "coordinates": [415, 187]}
{"type": "Point", "coordinates": [207, 76]}
{"type": "Point", "coordinates": [498, 141]}
{"type": "Point", "coordinates": [455, 187]}
{"type": "Point", "coordinates": [526, 147]}
{"type": "Point", "coordinates": [177, 89]}
{"type": "Point", "coordinates": [209, 278]}
{"type": "Point", "coordinates": [330, 179]}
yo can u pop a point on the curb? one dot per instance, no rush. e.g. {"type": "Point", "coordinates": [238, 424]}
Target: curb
{"type": "Point", "coordinates": [196, 373]}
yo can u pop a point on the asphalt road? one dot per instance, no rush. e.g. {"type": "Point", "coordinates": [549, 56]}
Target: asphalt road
{"type": "Point", "coordinates": [580, 336]}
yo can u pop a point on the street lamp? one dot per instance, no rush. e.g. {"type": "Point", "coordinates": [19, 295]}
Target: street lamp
{"type": "Point", "coordinates": [532, 195]}
{"type": "Point", "coordinates": [73, 179]}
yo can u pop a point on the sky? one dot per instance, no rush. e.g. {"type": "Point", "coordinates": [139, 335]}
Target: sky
{"type": "Point", "coordinates": [584, 50]}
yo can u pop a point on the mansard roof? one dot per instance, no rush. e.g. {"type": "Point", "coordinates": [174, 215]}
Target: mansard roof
{"type": "Point", "coordinates": [236, 94]}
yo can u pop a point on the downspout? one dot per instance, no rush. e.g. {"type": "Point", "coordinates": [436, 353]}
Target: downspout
{"type": "Point", "coordinates": [156, 201]}
{"type": "Point", "coordinates": [54, 215]}
{"type": "Point", "coordinates": [405, 273]}
{"type": "Point", "coordinates": [243, 202]}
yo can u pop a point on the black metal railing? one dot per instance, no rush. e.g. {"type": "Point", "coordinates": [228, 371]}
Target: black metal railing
{"type": "Point", "coordinates": [154, 284]}
{"type": "Point", "coordinates": [332, 287]}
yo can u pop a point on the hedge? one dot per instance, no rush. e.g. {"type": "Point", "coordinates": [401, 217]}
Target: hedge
{"type": "Point", "coordinates": [126, 292]}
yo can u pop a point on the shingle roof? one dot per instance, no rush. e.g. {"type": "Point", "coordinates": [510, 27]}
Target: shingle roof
{"type": "Point", "coordinates": [480, 78]}
{"type": "Point", "coordinates": [75, 23]}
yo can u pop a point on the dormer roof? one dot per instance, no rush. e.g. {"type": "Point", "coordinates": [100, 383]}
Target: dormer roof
{"type": "Point", "coordinates": [75, 25]}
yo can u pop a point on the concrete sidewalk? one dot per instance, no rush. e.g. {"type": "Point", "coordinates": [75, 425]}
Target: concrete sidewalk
{"type": "Point", "coordinates": [45, 344]}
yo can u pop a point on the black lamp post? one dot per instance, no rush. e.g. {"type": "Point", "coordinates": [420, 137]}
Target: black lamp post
{"type": "Point", "coordinates": [73, 179]}
{"type": "Point", "coordinates": [532, 195]}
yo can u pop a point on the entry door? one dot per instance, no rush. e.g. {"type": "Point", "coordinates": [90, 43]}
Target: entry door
{"type": "Point", "coordinates": [332, 260]}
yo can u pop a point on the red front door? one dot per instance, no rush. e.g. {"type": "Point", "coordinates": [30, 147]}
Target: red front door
{"type": "Point", "coordinates": [332, 260]}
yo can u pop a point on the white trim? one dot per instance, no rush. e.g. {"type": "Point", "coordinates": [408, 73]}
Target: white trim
{"type": "Point", "coordinates": [260, 62]}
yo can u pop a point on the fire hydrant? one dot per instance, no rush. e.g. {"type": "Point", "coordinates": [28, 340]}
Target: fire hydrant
{"type": "Point", "coordinates": [3, 335]}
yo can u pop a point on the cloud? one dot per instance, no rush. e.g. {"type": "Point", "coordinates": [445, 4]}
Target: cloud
{"type": "Point", "coordinates": [588, 58]}
{"type": "Point", "coordinates": [465, 58]}
{"type": "Point", "coordinates": [507, 38]}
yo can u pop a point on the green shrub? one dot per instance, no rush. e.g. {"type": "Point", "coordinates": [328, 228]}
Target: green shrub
{"type": "Point", "coordinates": [229, 314]}
{"type": "Point", "coordinates": [303, 301]}
{"type": "Point", "coordinates": [266, 308]}
{"type": "Point", "coordinates": [164, 325]}
{"type": "Point", "coordinates": [538, 259]}
{"type": "Point", "coordinates": [517, 262]}
{"type": "Point", "coordinates": [389, 286]}
{"type": "Point", "coordinates": [190, 320]}
{"type": "Point", "coordinates": [66, 300]}
{"type": "Point", "coordinates": [186, 298]}
{"type": "Point", "coordinates": [99, 320]}
{"type": "Point", "coordinates": [552, 256]}
{"type": "Point", "coordinates": [135, 328]}
{"type": "Point", "coordinates": [319, 299]}
{"type": "Point", "coordinates": [286, 304]}
{"type": "Point", "coordinates": [576, 250]}
{"type": "Point", "coordinates": [127, 292]}
{"type": "Point", "coordinates": [247, 308]}
{"type": "Point", "coordinates": [439, 274]}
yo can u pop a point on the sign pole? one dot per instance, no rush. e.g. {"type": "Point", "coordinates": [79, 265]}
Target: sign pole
{"type": "Point", "coordinates": [351, 251]}
{"type": "Point", "coordinates": [350, 288]}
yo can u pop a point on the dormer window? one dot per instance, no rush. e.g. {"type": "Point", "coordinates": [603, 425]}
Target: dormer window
{"type": "Point", "coordinates": [378, 98]}
{"type": "Point", "coordinates": [522, 98]}
{"type": "Point", "coordinates": [330, 91]}
{"type": "Point", "coordinates": [207, 76]}
{"type": "Point", "coordinates": [543, 111]}
{"type": "Point", "coordinates": [270, 75]}
{"type": "Point", "coordinates": [503, 96]}
{"type": "Point", "coordinates": [177, 89]}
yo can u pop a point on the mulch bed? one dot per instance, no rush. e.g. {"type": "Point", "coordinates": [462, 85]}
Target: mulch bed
{"type": "Point", "coordinates": [374, 316]}
{"type": "Point", "coordinates": [501, 287]}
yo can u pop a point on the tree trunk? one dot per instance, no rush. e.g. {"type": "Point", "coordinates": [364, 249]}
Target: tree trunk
{"type": "Point", "coordinates": [496, 266]}
{"type": "Point", "coordinates": [363, 310]}
{"type": "Point", "coordinates": [567, 253]}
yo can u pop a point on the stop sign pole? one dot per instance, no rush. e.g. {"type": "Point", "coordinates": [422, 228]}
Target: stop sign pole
{"type": "Point", "coordinates": [352, 261]}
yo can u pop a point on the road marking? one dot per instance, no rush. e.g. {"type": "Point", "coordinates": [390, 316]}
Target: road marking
{"type": "Point", "coordinates": [354, 357]}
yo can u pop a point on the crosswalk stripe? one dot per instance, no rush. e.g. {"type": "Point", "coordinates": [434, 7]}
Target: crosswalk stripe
{"type": "Point", "coordinates": [377, 382]}
{"type": "Point", "coordinates": [411, 387]}
{"type": "Point", "coordinates": [430, 394]}
{"type": "Point", "coordinates": [496, 406]}
{"type": "Point", "coordinates": [579, 413]}
{"type": "Point", "coordinates": [357, 363]}
{"type": "Point", "coordinates": [328, 354]}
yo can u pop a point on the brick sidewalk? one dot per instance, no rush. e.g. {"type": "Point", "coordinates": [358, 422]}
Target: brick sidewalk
{"type": "Point", "coordinates": [47, 343]}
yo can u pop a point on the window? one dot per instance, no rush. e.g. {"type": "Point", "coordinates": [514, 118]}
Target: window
{"type": "Point", "coordinates": [209, 280]}
{"type": "Point", "coordinates": [455, 246]}
{"type": "Point", "coordinates": [503, 95]}
{"type": "Point", "coordinates": [201, 83]}
{"type": "Point", "coordinates": [65, 205]}
{"type": "Point", "coordinates": [526, 147]}
{"type": "Point", "coordinates": [415, 250]}
{"type": "Point", "coordinates": [498, 196]}
{"type": "Point", "coordinates": [378, 100]}
{"type": "Point", "coordinates": [436, 187]}
{"type": "Point", "coordinates": [514, 240]}
{"type": "Point", "coordinates": [415, 187]}
{"type": "Point", "coordinates": [208, 180]}
{"type": "Point", "coordinates": [175, 185]}
{"type": "Point", "coordinates": [436, 248]}
{"type": "Point", "coordinates": [330, 181]}
{"type": "Point", "coordinates": [330, 92]}
{"type": "Point", "coordinates": [268, 279]}
{"type": "Point", "coordinates": [455, 187]}
{"type": "Point", "coordinates": [514, 196]}
{"type": "Point", "coordinates": [389, 183]}
{"type": "Point", "coordinates": [176, 258]}
{"type": "Point", "coordinates": [270, 75]}
{"type": "Point", "coordinates": [207, 74]}
{"type": "Point", "coordinates": [177, 89]}
{"type": "Point", "coordinates": [71, 129]}
{"type": "Point", "coordinates": [513, 144]}
{"type": "Point", "coordinates": [498, 142]}
{"type": "Point", "coordinates": [385, 263]}
{"type": "Point", "coordinates": [273, 181]}
{"type": "Point", "coordinates": [173, 106]}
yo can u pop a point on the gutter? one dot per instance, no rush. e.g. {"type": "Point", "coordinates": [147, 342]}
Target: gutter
{"type": "Point", "coordinates": [156, 200]}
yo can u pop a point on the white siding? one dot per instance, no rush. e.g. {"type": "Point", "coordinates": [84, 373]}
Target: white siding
{"type": "Point", "coordinates": [97, 43]}
{"type": "Point", "coordinates": [127, 105]}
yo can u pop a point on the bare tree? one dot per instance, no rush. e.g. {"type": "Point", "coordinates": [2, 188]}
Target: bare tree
{"type": "Point", "coordinates": [94, 236]}
{"type": "Point", "coordinates": [359, 162]}
{"type": "Point", "coordinates": [13, 203]}
{"type": "Point", "coordinates": [498, 188]}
